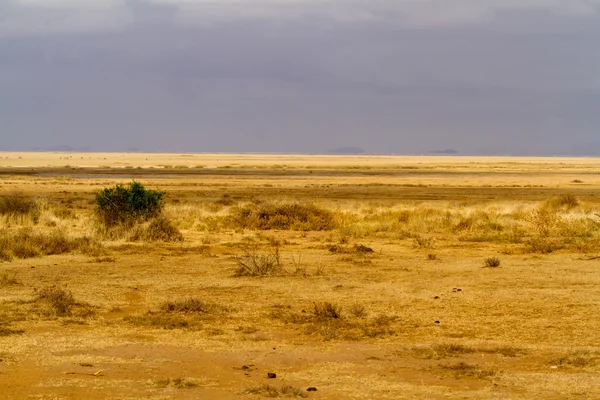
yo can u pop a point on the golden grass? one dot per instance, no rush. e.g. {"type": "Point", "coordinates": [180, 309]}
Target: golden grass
{"type": "Point", "coordinates": [389, 301]}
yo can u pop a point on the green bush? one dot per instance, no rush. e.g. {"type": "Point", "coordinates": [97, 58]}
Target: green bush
{"type": "Point", "coordinates": [122, 205]}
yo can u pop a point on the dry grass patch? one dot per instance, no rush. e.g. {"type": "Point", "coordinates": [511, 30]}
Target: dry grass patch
{"type": "Point", "coordinates": [9, 280]}
{"type": "Point", "coordinates": [465, 370]}
{"type": "Point", "coordinates": [158, 229]}
{"type": "Point", "coordinates": [324, 310]}
{"type": "Point", "coordinates": [27, 243]}
{"type": "Point", "coordinates": [19, 206]}
{"type": "Point", "coordinates": [176, 383]}
{"type": "Point", "coordinates": [59, 302]}
{"type": "Point", "coordinates": [274, 392]}
{"type": "Point", "coordinates": [179, 314]}
{"type": "Point", "coordinates": [579, 359]}
{"type": "Point", "coordinates": [284, 216]}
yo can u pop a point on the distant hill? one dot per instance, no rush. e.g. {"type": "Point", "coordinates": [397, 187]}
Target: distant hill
{"type": "Point", "coordinates": [62, 148]}
{"type": "Point", "coordinates": [346, 150]}
{"type": "Point", "coordinates": [447, 152]}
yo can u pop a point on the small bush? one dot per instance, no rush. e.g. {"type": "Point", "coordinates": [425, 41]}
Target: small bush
{"type": "Point", "coordinates": [327, 310]}
{"type": "Point", "coordinates": [491, 262]}
{"type": "Point", "coordinates": [59, 300]}
{"type": "Point", "coordinates": [122, 205]}
{"type": "Point", "coordinates": [259, 265]}
{"type": "Point", "coordinates": [286, 216]}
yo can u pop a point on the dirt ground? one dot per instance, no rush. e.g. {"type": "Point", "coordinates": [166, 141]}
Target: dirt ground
{"type": "Point", "coordinates": [419, 311]}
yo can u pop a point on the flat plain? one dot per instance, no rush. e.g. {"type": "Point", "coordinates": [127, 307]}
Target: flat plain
{"type": "Point", "coordinates": [383, 277]}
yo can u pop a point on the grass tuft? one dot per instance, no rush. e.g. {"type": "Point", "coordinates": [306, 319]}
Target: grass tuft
{"type": "Point", "coordinates": [326, 310]}
{"type": "Point", "coordinates": [491, 262]}
{"type": "Point", "coordinates": [259, 265]}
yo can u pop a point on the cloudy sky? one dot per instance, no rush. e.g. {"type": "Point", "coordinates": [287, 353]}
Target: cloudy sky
{"type": "Point", "coordinates": [389, 76]}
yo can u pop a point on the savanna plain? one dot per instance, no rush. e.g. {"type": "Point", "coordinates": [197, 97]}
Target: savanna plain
{"type": "Point", "coordinates": [357, 277]}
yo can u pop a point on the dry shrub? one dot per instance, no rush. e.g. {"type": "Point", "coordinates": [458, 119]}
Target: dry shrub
{"type": "Point", "coordinates": [19, 205]}
{"type": "Point", "coordinates": [542, 245]}
{"type": "Point", "coordinates": [26, 243]}
{"type": "Point", "coordinates": [60, 301]}
{"type": "Point", "coordinates": [491, 262]}
{"type": "Point", "coordinates": [567, 201]}
{"type": "Point", "coordinates": [326, 310]}
{"type": "Point", "coordinates": [157, 230]}
{"type": "Point", "coordinates": [259, 265]}
{"type": "Point", "coordinates": [284, 216]}
{"type": "Point", "coordinates": [190, 305]}
{"type": "Point", "coordinates": [544, 221]}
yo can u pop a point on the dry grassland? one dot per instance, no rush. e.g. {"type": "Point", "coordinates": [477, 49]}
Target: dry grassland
{"type": "Point", "coordinates": [362, 277]}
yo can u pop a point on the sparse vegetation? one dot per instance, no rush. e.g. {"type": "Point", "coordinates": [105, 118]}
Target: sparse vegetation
{"type": "Point", "coordinates": [27, 243]}
{"type": "Point", "coordinates": [491, 262]}
{"type": "Point", "coordinates": [19, 205]}
{"type": "Point", "coordinates": [284, 216]}
{"type": "Point", "coordinates": [9, 280]}
{"type": "Point", "coordinates": [59, 300]}
{"type": "Point", "coordinates": [177, 383]}
{"type": "Point", "coordinates": [273, 392]}
{"type": "Point", "coordinates": [158, 229]}
{"type": "Point", "coordinates": [401, 297]}
{"type": "Point", "coordinates": [327, 310]}
{"type": "Point", "coordinates": [257, 264]}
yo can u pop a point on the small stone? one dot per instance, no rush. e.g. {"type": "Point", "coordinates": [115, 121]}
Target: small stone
{"type": "Point", "coordinates": [436, 297]}
{"type": "Point", "coordinates": [311, 389]}
{"type": "Point", "coordinates": [271, 375]}
{"type": "Point", "coordinates": [437, 322]}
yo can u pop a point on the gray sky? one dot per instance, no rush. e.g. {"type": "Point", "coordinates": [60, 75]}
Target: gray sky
{"type": "Point", "coordinates": [389, 76]}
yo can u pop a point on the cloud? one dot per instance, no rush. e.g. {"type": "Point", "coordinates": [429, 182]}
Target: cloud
{"type": "Point", "coordinates": [26, 17]}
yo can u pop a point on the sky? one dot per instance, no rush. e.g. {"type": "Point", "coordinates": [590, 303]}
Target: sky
{"type": "Point", "coordinates": [485, 77]}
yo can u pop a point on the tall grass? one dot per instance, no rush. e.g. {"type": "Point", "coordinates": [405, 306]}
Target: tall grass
{"type": "Point", "coordinates": [28, 243]}
{"type": "Point", "coordinates": [20, 207]}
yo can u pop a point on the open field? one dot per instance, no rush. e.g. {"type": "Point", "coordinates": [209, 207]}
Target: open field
{"type": "Point", "coordinates": [363, 277]}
